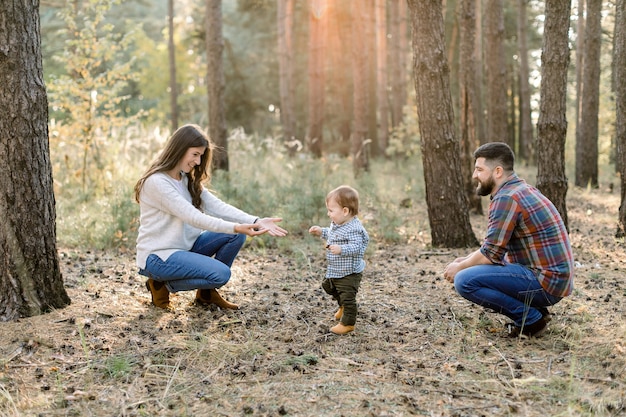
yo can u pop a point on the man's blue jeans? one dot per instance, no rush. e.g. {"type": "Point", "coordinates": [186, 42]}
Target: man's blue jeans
{"type": "Point", "coordinates": [511, 289]}
{"type": "Point", "coordinates": [196, 268]}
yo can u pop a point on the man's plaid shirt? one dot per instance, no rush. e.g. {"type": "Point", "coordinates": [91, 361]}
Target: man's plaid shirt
{"type": "Point", "coordinates": [525, 228]}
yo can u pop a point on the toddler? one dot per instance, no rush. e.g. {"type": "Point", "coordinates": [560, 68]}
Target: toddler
{"type": "Point", "coordinates": [346, 241]}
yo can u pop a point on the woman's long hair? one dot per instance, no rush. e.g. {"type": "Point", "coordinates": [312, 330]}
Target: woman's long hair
{"type": "Point", "coordinates": [185, 137]}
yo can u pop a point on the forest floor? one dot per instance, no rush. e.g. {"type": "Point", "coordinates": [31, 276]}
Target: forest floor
{"type": "Point", "coordinates": [418, 348]}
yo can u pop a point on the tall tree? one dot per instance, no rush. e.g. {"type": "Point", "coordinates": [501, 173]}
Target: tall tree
{"type": "Point", "coordinates": [171, 47]}
{"type": "Point", "coordinates": [30, 278]}
{"type": "Point", "coordinates": [469, 91]}
{"type": "Point", "coordinates": [478, 53]}
{"type": "Point", "coordinates": [285, 73]}
{"type": "Point", "coordinates": [372, 77]}
{"type": "Point", "coordinates": [359, 144]}
{"type": "Point", "coordinates": [215, 82]}
{"type": "Point", "coordinates": [619, 65]}
{"type": "Point", "coordinates": [587, 132]}
{"type": "Point", "coordinates": [552, 124]}
{"type": "Point", "coordinates": [381, 74]}
{"type": "Point", "coordinates": [496, 73]}
{"type": "Point", "coordinates": [445, 196]}
{"type": "Point", "coordinates": [397, 60]}
{"type": "Point", "coordinates": [526, 133]}
{"type": "Point", "coordinates": [580, 43]}
{"type": "Point", "coordinates": [318, 19]}
{"type": "Point", "coordinates": [340, 75]}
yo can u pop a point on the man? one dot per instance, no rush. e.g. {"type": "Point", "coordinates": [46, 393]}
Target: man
{"type": "Point", "coordinates": [525, 263]}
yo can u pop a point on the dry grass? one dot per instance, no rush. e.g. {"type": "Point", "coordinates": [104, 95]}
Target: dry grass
{"type": "Point", "coordinates": [419, 349]}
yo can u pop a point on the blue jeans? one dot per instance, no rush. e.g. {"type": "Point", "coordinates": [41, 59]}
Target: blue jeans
{"type": "Point", "coordinates": [196, 268]}
{"type": "Point", "coordinates": [511, 289]}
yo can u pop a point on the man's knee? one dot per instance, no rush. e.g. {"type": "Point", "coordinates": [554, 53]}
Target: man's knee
{"type": "Point", "coordinates": [462, 283]}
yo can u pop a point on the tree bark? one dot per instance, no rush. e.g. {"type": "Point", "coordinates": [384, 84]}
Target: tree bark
{"type": "Point", "coordinates": [381, 73]}
{"type": "Point", "coordinates": [372, 85]}
{"type": "Point", "coordinates": [340, 75]}
{"type": "Point", "coordinates": [171, 47]}
{"type": "Point", "coordinates": [359, 145]}
{"type": "Point", "coordinates": [587, 132]}
{"type": "Point", "coordinates": [481, 130]}
{"type": "Point", "coordinates": [619, 64]}
{"type": "Point", "coordinates": [445, 196]}
{"type": "Point", "coordinates": [526, 132]}
{"type": "Point", "coordinates": [285, 73]}
{"type": "Point", "coordinates": [397, 61]}
{"type": "Point", "coordinates": [30, 278]}
{"type": "Point", "coordinates": [580, 46]}
{"type": "Point", "coordinates": [468, 101]}
{"type": "Point", "coordinates": [216, 84]}
{"type": "Point", "coordinates": [496, 74]}
{"type": "Point", "coordinates": [317, 24]}
{"type": "Point", "coordinates": [552, 124]}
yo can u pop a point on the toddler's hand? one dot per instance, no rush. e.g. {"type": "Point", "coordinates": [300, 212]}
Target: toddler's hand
{"type": "Point", "coordinates": [315, 230]}
{"type": "Point", "coordinates": [334, 249]}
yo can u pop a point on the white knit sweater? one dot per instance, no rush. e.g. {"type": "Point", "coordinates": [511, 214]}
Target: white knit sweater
{"type": "Point", "coordinates": [169, 222]}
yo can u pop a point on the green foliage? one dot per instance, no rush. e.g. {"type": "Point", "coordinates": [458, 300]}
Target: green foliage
{"type": "Point", "coordinates": [119, 367]}
{"type": "Point", "coordinates": [262, 180]}
{"type": "Point", "coordinates": [87, 101]}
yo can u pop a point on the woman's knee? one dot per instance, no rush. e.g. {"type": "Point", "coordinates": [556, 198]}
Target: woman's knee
{"type": "Point", "coordinates": [219, 276]}
{"type": "Point", "coordinates": [239, 239]}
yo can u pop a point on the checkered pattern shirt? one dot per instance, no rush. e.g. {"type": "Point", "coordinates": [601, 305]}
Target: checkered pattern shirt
{"type": "Point", "coordinates": [353, 239]}
{"type": "Point", "coordinates": [525, 228]}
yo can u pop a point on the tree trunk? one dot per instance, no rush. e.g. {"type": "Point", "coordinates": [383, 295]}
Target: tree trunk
{"type": "Point", "coordinates": [468, 92]}
{"type": "Point", "coordinates": [171, 47]}
{"type": "Point", "coordinates": [30, 278]}
{"type": "Point", "coordinates": [496, 74]}
{"type": "Point", "coordinates": [359, 145]}
{"type": "Point", "coordinates": [317, 23]}
{"type": "Point", "coordinates": [580, 47]}
{"type": "Point", "coordinates": [340, 74]}
{"type": "Point", "coordinates": [552, 125]}
{"type": "Point", "coordinates": [445, 195]}
{"type": "Point", "coordinates": [285, 73]}
{"type": "Point", "coordinates": [396, 62]}
{"type": "Point", "coordinates": [587, 133]}
{"type": "Point", "coordinates": [481, 130]}
{"type": "Point", "coordinates": [526, 133]}
{"type": "Point", "coordinates": [619, 63]}
{"type": "Point", "coordinates": [381, 73]}
{"type": "Point", "coordinates": [215, 83]}
{"type": "Point", "coordinates": [372, 76]}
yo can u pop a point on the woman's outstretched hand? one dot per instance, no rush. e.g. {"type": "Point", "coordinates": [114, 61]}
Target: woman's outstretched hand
{"type": "Point", "coordinates": [249, 229]}
{"type": "Point", "coordinates": [262, 226]}
{"type": "Point", "coordinates": [269, 225]}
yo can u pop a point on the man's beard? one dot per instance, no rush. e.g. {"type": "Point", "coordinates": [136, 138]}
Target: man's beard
{"type": "Point", "coordinates": [485, 188]}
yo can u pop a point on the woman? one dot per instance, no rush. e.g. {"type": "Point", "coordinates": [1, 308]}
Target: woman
{"type": "Point", "coordinates": [188, 238]}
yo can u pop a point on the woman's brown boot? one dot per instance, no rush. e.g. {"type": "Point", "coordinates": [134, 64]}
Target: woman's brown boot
{"type": "Point", "coordinates": [206, 297]}
{"type": "Point", "coordinates": [160, 294]}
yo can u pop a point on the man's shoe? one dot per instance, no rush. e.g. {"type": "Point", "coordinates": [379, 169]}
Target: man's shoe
{"type": "Point", "coordinates": [339, 313]}
{"type": "Point", "coordinates": [206, 297]}
{"type": "Point", "coordinates": [545, 314]}
{"type": "Point", "coordinates": [341, 328]}
{"type": "Point", "coordinates": [532, 330]}
{"type": "Point", "coordinates": [160, 294]}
